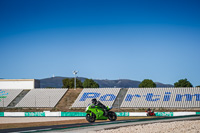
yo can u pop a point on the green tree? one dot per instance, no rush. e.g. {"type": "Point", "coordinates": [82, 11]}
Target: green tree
{"type": "Point", "coordinates": [147, 83]}
{"type": "Point", "coordinates": [183, 83]}
{"type": "Point", "coordinates": [66, 83]}
{"type": "Point", "coordinates": [198, 86]}
{"type": "Point", "coordinates": [79, 84]}
{"type": "Point", "coordinates": [69, 83]}
{"type": "Point", "coordinates": [89, 83]}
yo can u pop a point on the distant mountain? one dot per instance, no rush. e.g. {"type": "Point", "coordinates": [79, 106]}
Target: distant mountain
{"type": "Point", "coordinates": [120, 83]}
{"type": "Point", "coordinates": [163, 85]}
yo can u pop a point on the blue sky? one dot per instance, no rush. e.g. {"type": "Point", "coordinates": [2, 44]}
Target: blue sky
{"type": "Point", "coordinates": [102, 39]}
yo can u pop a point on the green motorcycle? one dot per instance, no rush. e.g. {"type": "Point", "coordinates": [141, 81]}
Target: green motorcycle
{"type": "Point", "coordinates": [97, 113]}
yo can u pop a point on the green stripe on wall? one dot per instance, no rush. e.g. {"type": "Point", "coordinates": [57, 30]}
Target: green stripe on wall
{"type": "Point", "coordinates": [164, 113]}
{"type": "Point", "coordinates": [73, 114]}
{"type": "Point", "coordinates": [1, 114]}
{"type": "Point", "coordinates": [63, 114]}
{"type": "Point", "coordinates": [198, 113]}
{"type": "Point", "coordinates": [30, 114]}
{"type": "Point", "coordinates": [122, 113]}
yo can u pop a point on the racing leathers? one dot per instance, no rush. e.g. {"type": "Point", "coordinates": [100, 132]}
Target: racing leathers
{"type": "Point", "coordinates": [98, 103]}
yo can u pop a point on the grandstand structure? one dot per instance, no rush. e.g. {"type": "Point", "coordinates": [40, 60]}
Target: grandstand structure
{"type": "Point", "coordinates": [106, 95]}
{"type": "Point", "coordinates": [8, 95]}
{"type": "Point", "coordinates": [117, 97]}
{"type": "Point", "coordinates": [34, 98]}
{"type": "Point", "coordinates": [162, 98]}
{"type": "Point", "coordinates": [141, 97]}
{"type": "Point", "coordinates": [42, 98]}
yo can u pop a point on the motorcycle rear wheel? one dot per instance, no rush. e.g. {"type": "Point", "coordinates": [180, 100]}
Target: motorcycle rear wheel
{"type": "Point", "coordinates": [91, 118]}
{"type": "Point", "coordinates": [112, 116]}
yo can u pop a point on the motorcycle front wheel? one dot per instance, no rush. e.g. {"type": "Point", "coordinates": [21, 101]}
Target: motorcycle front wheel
{"type": "Point", "coordinates": [112, 116]}
{"type": "Point", "coordinates": [91, 118]}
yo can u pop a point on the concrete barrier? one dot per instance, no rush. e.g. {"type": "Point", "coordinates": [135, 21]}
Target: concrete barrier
{"type": "Point", "coordinates": [14, 114]}
{"type": "Point", "coordinates": [83, 114]}
{"type": "Point", "coordinates": [183, 113]}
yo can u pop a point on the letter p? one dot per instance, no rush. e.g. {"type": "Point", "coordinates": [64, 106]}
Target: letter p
{"type": "Point", "coordinates": [89, 95]}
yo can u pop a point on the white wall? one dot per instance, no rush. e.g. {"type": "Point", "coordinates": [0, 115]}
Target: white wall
{"type": "Point", "coordinates": [13, 113]}
{"type": "Point", "coordinates": [17, 84]}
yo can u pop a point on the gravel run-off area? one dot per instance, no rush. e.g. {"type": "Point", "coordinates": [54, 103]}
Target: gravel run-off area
{"type": "Point", "coordinates": [171, 127]}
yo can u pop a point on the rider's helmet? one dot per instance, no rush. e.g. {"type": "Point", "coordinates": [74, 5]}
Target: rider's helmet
{"type": "Point", "coordinates": [94, 101]}
{"type": "Point", "coordinates": [148, 109]}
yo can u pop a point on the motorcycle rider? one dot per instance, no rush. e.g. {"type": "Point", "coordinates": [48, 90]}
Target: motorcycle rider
{"type": "Point", "coordinates": [98, 103]}
{"type": "Point", "coordinates": [148, 110]}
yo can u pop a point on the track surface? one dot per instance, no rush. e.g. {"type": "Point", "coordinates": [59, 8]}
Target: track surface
{"type": "Point", "coordinates": [85, 127]}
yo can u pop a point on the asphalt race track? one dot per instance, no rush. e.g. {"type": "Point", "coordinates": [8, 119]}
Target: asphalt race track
{"type": "Point", "coordinates": [89, 127]}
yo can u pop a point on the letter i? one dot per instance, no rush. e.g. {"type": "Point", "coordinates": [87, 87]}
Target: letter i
{"type": "Point", "coordinates": [167, 96]}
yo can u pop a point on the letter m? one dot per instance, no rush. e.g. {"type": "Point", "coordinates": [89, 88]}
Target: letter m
{"type": "Point", "coordinates": [188, 97]}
